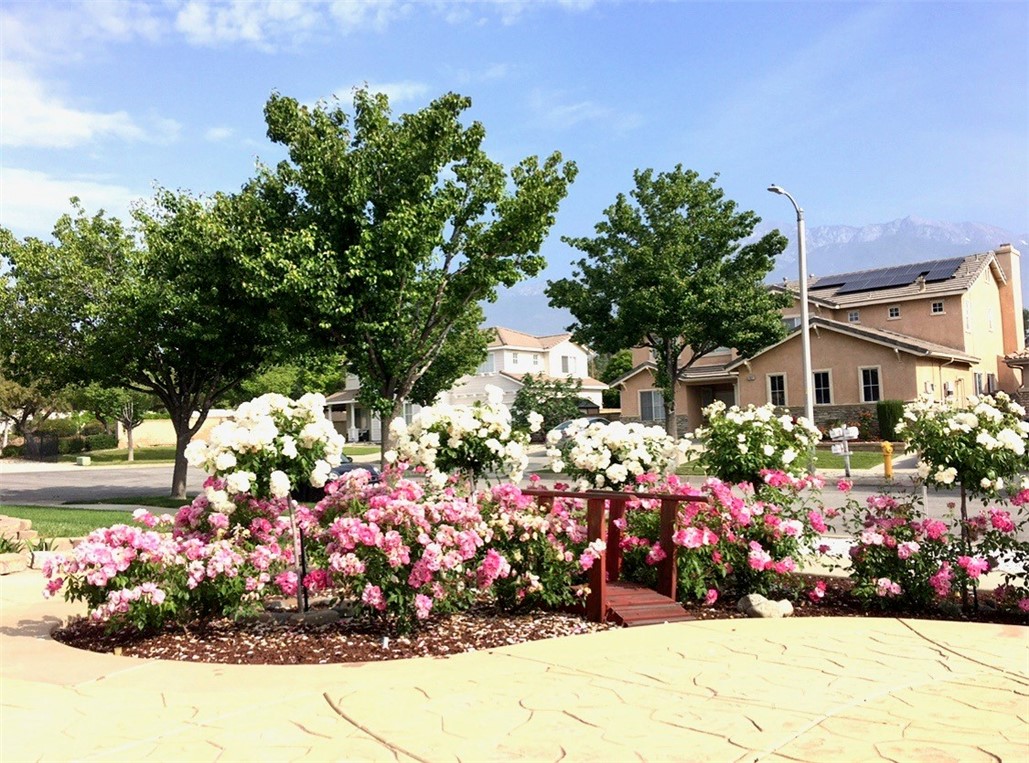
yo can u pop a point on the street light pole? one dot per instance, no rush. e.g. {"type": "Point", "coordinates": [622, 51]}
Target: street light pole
{"type": "Point", "coordinates": [805, 336]}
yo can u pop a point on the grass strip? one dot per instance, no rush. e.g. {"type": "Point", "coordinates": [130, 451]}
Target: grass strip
{"type": "Point", "coordinates": [61, 522]}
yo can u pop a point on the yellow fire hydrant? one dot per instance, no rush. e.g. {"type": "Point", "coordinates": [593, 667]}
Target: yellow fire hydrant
{"type": "Point", "coordinates": [887, 460]}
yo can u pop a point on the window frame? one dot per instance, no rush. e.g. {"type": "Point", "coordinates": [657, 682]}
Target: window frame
{"type": "Point", "coordinates": [878, 383]}
{"type": "Point", "coordinates": [653, 408]}
{"type": "Point", "coordinates": [785, 387]}
{"type": "Point", "coordinates": [814, 385]}
{"type": "Point", "coordinates": [854, 316]}
{"type": "Point", "coordinates": [943, 307]}
{"type": "Point", "coordinates": [893, 313]}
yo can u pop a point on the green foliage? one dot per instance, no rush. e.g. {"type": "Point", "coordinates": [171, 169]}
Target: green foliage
{"type": "Point", "coordinates": [111, 404]}
{"type": "Point", "coordinates": [101, 441]}
{"type": "Point", "coordinates": [385, 234]}
{"type": "Point", "coordinates": [11, 451]}
{"type": "Point", "coordinates": [889, 412]}
{"type": "Point", "coordinates": [28, 407]}
{"type": "Point", "coordinates": [608, 368]}
{"type": "Point", "coordinates": [556, 400]}
{"type": "Point", "coordinates": [666, 270]}
{"type": "Point", "coordinates": [320, 372]}
{"type": "Point", "coordinates": [163, 313]}
{"type": "Point", "coordinates": [11, 545]}
{"type": "Point", "coordinates": [72, 445]}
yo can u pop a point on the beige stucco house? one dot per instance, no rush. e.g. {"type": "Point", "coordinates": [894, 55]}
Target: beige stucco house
{"type": "Point", "coordinates": [941, 327]}
{"type": "Point", "coordinates": [511, 355]}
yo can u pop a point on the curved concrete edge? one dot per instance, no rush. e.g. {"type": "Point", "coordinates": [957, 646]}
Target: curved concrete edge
{"type": "Point", "coordinates": [797, 689]}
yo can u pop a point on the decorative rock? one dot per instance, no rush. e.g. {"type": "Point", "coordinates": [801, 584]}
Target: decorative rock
{"type": "Point", "coordinates": [10, 563]}
{"type": "Point", "coordinates": [756, 605]}
{"type": "Point", "coordinates": [83, 461]}
{"type": "Point", "coordinates": [314, 617]}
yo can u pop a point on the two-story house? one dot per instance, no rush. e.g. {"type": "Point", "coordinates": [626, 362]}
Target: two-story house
{"type": "Point", "coordinates": [941, 327]}
{"type": "Point", "coordinates": [511, 355]}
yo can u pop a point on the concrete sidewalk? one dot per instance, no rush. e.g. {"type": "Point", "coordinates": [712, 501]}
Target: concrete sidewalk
{"type": "Point", "coordinates": [803, 689]}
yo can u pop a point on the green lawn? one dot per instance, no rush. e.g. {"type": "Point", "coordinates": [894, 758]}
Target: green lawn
{"type": "Point", "coordinates": [120, 455]}
{"type": "Point", "coordinates": [156, 501]}
{"type": "Point", "coordinates": [166, 454]}
{"type": "Point", "coordinates": [57, 522]}
{"type": "Point", "coordinates": [861, 459]}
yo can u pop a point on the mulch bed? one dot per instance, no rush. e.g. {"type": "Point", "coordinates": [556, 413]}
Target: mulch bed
{"type": "Point", "coordinates": [363, 639]}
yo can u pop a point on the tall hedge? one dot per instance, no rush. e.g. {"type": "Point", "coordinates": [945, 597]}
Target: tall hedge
{"type": "Point", "coordinates": [889, 413]}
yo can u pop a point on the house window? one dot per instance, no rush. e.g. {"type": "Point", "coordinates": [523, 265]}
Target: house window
{"type": "Point", "coordinates": [977, 383]}
{"type": "Point", "coordinates": [823, 388]}
{"type": "Point", "coordinates": [991, 383]}
{"type": "Point", "coordinates": [870, 391]}
{"type": "Point", "coordinates": [408, 413]}
{"type": "Point", "coordinates": [535, 359]}
{"type": "Point", "coordinates": [854, 316]}
{"type": "Point", "coordinates": [487, 366]}
{"type": "Point", "coordinates": [777, 389]}
{"type": "Point", "coordinates": [567, 364]}
{"type": "Point", "coordinates": [894, 312]}
{"type": "Point", "coordinates": [937, 307]}
{"type": "Point", "coordinates": [514, 358]}
{"type": "Point", "coordinates": [791, 322]}
{"type": "Point", "coordinates": [652, 405]}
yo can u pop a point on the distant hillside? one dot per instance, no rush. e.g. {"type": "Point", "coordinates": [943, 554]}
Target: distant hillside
{"type": "Point", "coordinates": [842, 248]}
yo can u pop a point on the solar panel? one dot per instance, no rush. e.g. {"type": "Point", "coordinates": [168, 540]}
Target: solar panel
{"type": "Point", "coordinates": [885, 278]}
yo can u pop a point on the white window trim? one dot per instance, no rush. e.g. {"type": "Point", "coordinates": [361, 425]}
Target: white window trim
{"type": "Point", "coordinates": [861, 382]}
{"type": "Point", "coordinates": [640, 398]}
{"type": "Point", "coordinates": [514, 358]}
{"type": "Point", "coordinates": [785, 389]}
{"type": "Point", "coordinates": [934, 311]}
{"type": "Point", "coordinates": [853, 316]}
{"type": "Point", "coordinates": [814, 397]}
{"type": "Point", "coordinates": [893, 317]}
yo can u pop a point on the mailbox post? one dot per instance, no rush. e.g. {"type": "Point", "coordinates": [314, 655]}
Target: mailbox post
{"type": "Point", "coordinates": [841, 437]}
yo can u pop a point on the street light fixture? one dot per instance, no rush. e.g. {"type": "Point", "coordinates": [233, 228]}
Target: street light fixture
{"type": "Point", "coordinates": [805, 337]}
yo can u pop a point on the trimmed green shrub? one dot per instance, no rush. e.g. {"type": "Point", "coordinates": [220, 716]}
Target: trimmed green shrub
{"type": "Point", "coordinates": [60, 427]}
{"type": "Point", "coordinates": [67, 445]}
{"type": "Point", "coordinates": [12, 451]}
{"type": "Point", "coordinates": [101, 441]}
{"type": "Point", "coordinates": [889, 412]}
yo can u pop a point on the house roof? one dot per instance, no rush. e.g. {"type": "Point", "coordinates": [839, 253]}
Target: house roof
{"type": "Point", "coordinates": [505, 337]}
{"type": "Point", "coordinates": [338, 398]}
{"type": "Point", "coordinates": [917, 280]}
{"type": "Point", "coordinates": [702, 372]}
{"type": "Point", "coordinates": [892, 339]}
{"type": "Point", "coordinates": [587, 381]}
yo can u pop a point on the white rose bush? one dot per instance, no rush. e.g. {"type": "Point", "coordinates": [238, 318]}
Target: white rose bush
{"type": "Point", "coordinates": [738, 444]}
{"type": "Point", "coordinates": [469, 441]}
{"type": "Point", "coordinates": [612, 455]}
{"type": "Point", "coordinates": [982, 447]}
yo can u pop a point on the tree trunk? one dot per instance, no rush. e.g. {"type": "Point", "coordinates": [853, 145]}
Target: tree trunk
{"type": "Point", "coordinates": [387, 437]}
{"type": "Point", "coordinates": [671, 423]}
{"type": "Point", "coordinates": [182, 438]}
{"type": "Point", "coordinates": [128, 435]}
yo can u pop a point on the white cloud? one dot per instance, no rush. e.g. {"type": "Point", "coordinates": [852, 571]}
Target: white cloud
{"type": "Point", "coordinates": [31, 116]}
{"type": "Point", "coordinates": [216, 134]}
{"type": "Point", "coordinates": [555, 111]}
{"type": "Point", "coordinates": [31, 201]}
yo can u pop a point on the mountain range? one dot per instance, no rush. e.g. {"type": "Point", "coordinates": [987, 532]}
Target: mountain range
{"type": "Point", "coordinates": [830, 249]}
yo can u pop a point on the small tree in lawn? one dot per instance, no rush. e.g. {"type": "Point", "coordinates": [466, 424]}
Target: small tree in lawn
{"type": "Point", "coordinates": [556, 400]}
{"type": "Point", "coordinates": [111, 405]}
{"type": "Point", "coordinates": [608, 368]}
{"type": "Point", "coordinates": [667, 271]}
{"type": "Point", "coordinates": [386, 233]}
{"type": "Point", "coordinates": [982, 446]}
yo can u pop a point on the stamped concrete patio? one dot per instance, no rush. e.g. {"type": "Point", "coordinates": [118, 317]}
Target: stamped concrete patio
{"type": "Point", "coordinates": [802, 689]}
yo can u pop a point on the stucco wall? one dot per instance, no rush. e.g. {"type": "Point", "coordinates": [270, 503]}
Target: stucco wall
{"type": "Point", "coordinates": [843, 356]}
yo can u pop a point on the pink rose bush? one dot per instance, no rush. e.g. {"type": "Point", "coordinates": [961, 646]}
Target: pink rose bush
{"type": "Point", "coordinates": [732, 541]}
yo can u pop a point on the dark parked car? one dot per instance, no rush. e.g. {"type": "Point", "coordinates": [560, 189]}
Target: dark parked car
{"type": "Point", "coordinates": [308, 494]}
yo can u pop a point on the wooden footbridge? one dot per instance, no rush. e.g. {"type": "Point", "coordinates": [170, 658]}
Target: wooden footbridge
{"type": "Point", "coordinates": [610, 599]}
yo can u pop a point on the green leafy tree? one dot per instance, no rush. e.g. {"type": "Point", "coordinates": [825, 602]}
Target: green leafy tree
{"type": "Point", "coordinates": [556, 400]}
{"type": "Point", "coordinates": [667, 271]}
{"type": "Point", "coordinates": [167, 316]}
{"type": "Point", "coordinates": [608, 367]}
{"type": "Point", "coordinates": [26, 407]}
{"type": "Point", "coordinates": [386, 233]}
{"type": "Point", "coordinates": [308, 372]}
{"type": "Point", "coordinates": [111, 405]}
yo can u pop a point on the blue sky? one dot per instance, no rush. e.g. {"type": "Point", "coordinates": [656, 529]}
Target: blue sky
{"type": "Point", "coordinates": [866, 112]}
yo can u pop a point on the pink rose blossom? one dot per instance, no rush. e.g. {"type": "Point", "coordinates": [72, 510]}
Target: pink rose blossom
{"type": "Point", "coordinates": [906, 549]}
{"type": "Point", "coordinates": [844, 485]}
{"type": "Point", "coordinates": [817, 593]}
{"type": "Point", "coordinates": [712, 596]}
{"type": "Point", "coordinates": [973, 565]}
{"type": "Point", "coordinates": [885, 587]}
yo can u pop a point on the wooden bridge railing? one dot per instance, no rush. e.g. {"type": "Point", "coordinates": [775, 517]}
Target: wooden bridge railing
{"type": "Point", "coordinates": [609, 566]}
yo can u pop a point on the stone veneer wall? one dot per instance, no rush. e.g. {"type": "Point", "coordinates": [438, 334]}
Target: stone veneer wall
{"type": "Point", "coordinates": [844, 414]}
{"type": "Point", "coordinates": [682, 421]}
